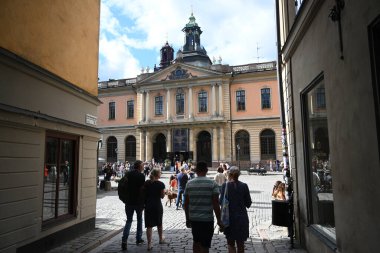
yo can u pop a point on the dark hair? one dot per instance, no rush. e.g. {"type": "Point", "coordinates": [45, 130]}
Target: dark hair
{"type": "Point", "coordinates": [201, 166]}
{"type": "Point", "coordinates": [220, 169]}
{"type": "Point", "coordinates": [136, 165]}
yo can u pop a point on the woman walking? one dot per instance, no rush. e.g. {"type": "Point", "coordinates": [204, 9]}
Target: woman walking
{"type": "Point", "coordinates": [154, 191]}
{"type": "Point", "coordinates": [239, 200]}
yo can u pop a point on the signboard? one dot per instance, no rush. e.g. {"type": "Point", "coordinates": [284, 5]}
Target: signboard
{"type": "Point", "coordinates": [91, 120]}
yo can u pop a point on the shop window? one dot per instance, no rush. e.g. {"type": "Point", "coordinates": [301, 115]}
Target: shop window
{"type": "Point", "coordinates": [130, 109]}
{"type": "Point", "coordinates": [317, 159]}
{"type": "Point", "coordinates": [60, 177]}
{"type": "Point", "coordinates": [202, 101]}
{"type": "Point", "coordinates": [158, 105]}
{"type": "Point", "coordinates": [111, 110]}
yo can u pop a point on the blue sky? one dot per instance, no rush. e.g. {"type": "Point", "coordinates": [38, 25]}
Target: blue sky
{"type": "Point", "coordinates": [132, 32]}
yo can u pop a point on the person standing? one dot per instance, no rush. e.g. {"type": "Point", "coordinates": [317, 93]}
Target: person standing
{"type": "Point", "coordinates": [239, 200]}
{"type": "Point", "coordinates": [134, 203]}
{"type": "Point", "coordinates": [219, 177]}
{"type": "Point", "coordinates": [201, 199]}
{"type": "Point", "coordinates": [154, 191]}
{"type": "Point", "coordinates": [182, 179]}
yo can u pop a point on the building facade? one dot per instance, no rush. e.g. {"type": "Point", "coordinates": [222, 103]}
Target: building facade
{"type": "Point", "coordinates": [48, 134]}
{"type": "Point", "coordinates": [329, 74]}
{"type": "Point", "coordinates": [192, 109]}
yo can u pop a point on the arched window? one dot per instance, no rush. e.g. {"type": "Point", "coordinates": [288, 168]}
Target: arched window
{"type": "Point", "coordinates": [111, 149]}
{"type": "Point", "coordinates": [268, 145]}
{"type": "Point", "coordinates": [130, 149]}
{"type": "Point", "coordinates": [242, 151]}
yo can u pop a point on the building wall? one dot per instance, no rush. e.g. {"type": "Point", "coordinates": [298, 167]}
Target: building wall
{"type": "Point", "coordinates": [47, 33]}
{"type": "Point", "coordinates": [354, 153]}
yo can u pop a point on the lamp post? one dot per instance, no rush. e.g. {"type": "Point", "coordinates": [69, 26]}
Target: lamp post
{"type": "Point", "coordinates": [238, 149]}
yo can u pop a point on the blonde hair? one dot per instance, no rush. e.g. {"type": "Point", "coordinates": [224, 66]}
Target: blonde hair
{"type": "Point", "coordinates": [155, 173]}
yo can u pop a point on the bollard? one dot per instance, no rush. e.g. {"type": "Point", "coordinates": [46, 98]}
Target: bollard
{"type": "Point", "coordinates": [107, 186]}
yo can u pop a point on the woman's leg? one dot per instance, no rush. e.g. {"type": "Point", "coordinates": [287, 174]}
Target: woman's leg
{"type": "Point", "coordinates": [240, 246]}
{"type": "Point", "coordinates": [149, 237]}
{"type": "Point", "coordinates": [231, 246]}
{"type": "Point", "coordinates": [161, 238]}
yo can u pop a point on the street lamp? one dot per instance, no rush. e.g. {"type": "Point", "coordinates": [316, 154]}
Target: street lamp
{"type": "Point", "coordinates": [238, 149]}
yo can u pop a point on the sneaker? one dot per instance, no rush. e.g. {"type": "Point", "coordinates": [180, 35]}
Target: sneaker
{"type": "Point", "coordinates": [138, 242]}
{"type": "Point", "coordinates": [124, 245]}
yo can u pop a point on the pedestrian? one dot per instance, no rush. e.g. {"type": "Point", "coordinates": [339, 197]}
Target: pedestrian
{"type": "Point", "coordinates": [134, 203]}
{"type": "Point", "coordinates": [154, 191]}
{"type": "Point", "coordinates": [219, 177]}
{"type": "Point", "coordinates": [279, 192]}
{"type": "Point", "coordinates": [201, 199]}
{"type": "Point", "coordinates": [239, 200]}
{"type": "Point", "coordinates": [182, 179]}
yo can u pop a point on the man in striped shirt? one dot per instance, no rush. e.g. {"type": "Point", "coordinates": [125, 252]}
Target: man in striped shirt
{"type": "Point", "coordinates": [201, 199]}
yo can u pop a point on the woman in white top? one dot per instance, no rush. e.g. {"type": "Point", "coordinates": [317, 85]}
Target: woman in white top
{"type": "Point", "coordinates": [220, 178]}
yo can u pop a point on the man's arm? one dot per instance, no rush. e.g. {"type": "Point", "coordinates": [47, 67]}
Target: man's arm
{"type": "Point", "coordinates": [186, 206]}
{"type": "Point", "coordinates": [216, 207]}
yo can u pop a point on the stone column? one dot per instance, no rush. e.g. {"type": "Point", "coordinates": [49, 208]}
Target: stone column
{"type": "Point", "coordinates": [169, 140]}
{"type": "Point", "coordinates": [168, 106]}
{"type": "Point", "coordinates": [191, 102]}
{"type": "Point", "coordinates": [142, 145]}
{"type": "Point", "coordinates": [148, 146]}
{"type": "Point", "coordinates": [214, 144]}
{"type": "Point", "coordinates": [141, 104]}
{"type": "Point", "coordinates": [213, 99]}
{"type": "Point", "coordinates": [147, 111]}
{"type": "Point", "coordinates": [191, 141]}
{"type": "Point", "coordinates": [220, 100]}
{"type": "Point", "coordinates": [221, 144]}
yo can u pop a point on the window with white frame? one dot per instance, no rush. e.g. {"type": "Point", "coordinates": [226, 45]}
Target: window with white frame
{"type": "Point", "coordinates": [202, 101]}
{"type": "Point", "coordinates": [240, 100]}
{"type": "Point", "coordinates": [111, 110]}
{"type": "Point", "coordinates": [158, 105]}
{"type": "Point", "coordinates": [130, 109]}
{"type": "Point", "coordinates": [180, 103]}
{"type": "Point", "coordinates": [265, 98]}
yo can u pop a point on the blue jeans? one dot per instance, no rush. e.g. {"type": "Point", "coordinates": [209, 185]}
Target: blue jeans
{"type": "Point", "coordinates": [129, 210]}
{"type": "Point", "coordinates": [179, 195]}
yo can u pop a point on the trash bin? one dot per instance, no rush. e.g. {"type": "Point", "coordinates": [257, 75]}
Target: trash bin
{"type": "Point", "coordinates": [281, 213]}
{"type": "Point", "coordinates": [107, 186]}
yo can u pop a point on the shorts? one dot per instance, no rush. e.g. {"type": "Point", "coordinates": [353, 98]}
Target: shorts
{"type": "Point", "coordinates": [202, 232]}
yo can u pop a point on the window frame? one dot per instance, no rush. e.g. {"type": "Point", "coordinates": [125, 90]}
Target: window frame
{"type": "Point", "coordinates": [240, 95]}
{"type": "Point", "coordinates": [158, 105]}
{"type": "Point", "coordinates": [202, 100]}
{"type": "Point", "coordinates": [111, 110]}
{"type": "Point", "coordinates": [130, 109]}
{"type": "Point", "coordinates": [266, 102]}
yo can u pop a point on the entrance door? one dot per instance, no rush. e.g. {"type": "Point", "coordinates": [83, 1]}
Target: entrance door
{"type": "Point", "coordinates": [159, 148]}
{"type": "Point", "coordinates": [204, 148]}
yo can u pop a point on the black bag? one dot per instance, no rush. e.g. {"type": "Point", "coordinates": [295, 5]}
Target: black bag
{"type": "Point", "coordinates": [122, 188]}
{"type": "Point", "coordinates": [184, 180]}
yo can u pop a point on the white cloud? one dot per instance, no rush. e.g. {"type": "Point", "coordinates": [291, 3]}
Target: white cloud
{"type": "Point", "coordinates": [230, 30]}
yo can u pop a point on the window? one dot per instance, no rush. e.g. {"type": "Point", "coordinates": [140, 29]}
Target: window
{"type": "Point", "coordinates": [265, 98]}
{"type": "Point", "coordinates": [180, 103]}
{"type": "Point", "coordinates": [202, 101]}
{"type": "Point", "coordinates": [130, 109]}
{"type": "Point", "coordinates": [111, 149]}
{"type": "Point", "coordinates": [111, 110]}
{"type": "Point", "coordinates": [60, 173]}
{"type": "Point", "coordinates": [130, 149]}
{"type": "Point", "coordinates": [240, 100]}
{"type": "Point", "coordinates": [158, 105]}
{"type": "Point", "coordinates": [320, 97]}
{"type": "Point", "coordinates": [242, 139]}
{"type": "Point", "coordinates": [317, 161]}
{"type": "Point", "coordinates": [268, 145]}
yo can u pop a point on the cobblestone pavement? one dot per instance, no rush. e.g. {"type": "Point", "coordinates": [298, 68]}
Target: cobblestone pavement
{"type": "Point", "coordinates": [110, 219]}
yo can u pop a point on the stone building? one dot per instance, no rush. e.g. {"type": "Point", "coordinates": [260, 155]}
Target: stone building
{"type": "Point", "coordinates": [329, 58]}
{"type": "Point", "coordinates": [48, 135]}
{"type": "Point", "coordinates": [191, 108]}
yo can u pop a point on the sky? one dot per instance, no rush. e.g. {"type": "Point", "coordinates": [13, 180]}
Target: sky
{"type": "Point", "coordinates": [132, 32]}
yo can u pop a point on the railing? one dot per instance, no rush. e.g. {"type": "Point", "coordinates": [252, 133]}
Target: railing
{"type": "Point", "coordinates": [116, 83]}
{"type": "Point", "coordinates": [255, 67]}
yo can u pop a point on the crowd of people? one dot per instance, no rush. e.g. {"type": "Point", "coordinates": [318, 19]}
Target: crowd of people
{"type": "Point", "coordinates": [199, 196]}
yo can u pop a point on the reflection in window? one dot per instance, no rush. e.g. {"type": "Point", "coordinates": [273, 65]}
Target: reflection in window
{"type": "Point", "coordinates": [180, 104]}
{"type": "Point", "coordinates": [318, 155]}
{"type": "Point", "coordinates": [202, 101]}
{"type": "Point", "coordinates": [130, 109]}
{"type": "Point", "coordinates": [240, 100]}
{"type": "Point", "coordinates": [158, 105]}
{"type": "Point", "coordinates": [59, 174]}
{"type": "Point", "coordinates": [265, 98]}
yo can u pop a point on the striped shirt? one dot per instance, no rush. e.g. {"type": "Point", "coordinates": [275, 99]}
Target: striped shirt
{"type": "Point", "coordinates": [200, 191]}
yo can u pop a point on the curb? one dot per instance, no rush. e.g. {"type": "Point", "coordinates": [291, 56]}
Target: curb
{"type": "Point", "coordinates": [88, 247]}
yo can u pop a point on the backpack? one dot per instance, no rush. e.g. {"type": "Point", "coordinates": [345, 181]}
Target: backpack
{"type": "Point", "coordinates": [122, 188]}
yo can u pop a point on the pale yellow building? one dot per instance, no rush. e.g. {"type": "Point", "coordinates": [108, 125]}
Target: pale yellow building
{"type": "Point", "coordinates": [48, 135]}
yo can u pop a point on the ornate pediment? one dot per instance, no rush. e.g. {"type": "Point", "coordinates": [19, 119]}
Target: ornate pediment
{"type": "Point", "coordinates": [178, 73]}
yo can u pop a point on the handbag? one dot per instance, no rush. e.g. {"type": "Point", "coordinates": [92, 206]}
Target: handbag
{"type": "Point", "coordinates": [225, 213]}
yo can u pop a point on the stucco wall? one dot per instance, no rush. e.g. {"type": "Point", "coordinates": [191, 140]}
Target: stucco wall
{"type": "Point", "coordinates": [60, 36]}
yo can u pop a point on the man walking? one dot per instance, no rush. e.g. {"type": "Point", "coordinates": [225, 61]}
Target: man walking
{"type": "Point", "coordinates": [182, 179]}
{"type": "Point", "coordinates": [134, 203]}
{"type": "Point", "coordinates": [201, 199]}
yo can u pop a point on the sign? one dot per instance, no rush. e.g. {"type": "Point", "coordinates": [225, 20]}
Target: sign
{"type": "Point", "coordinates": [91, 120]}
